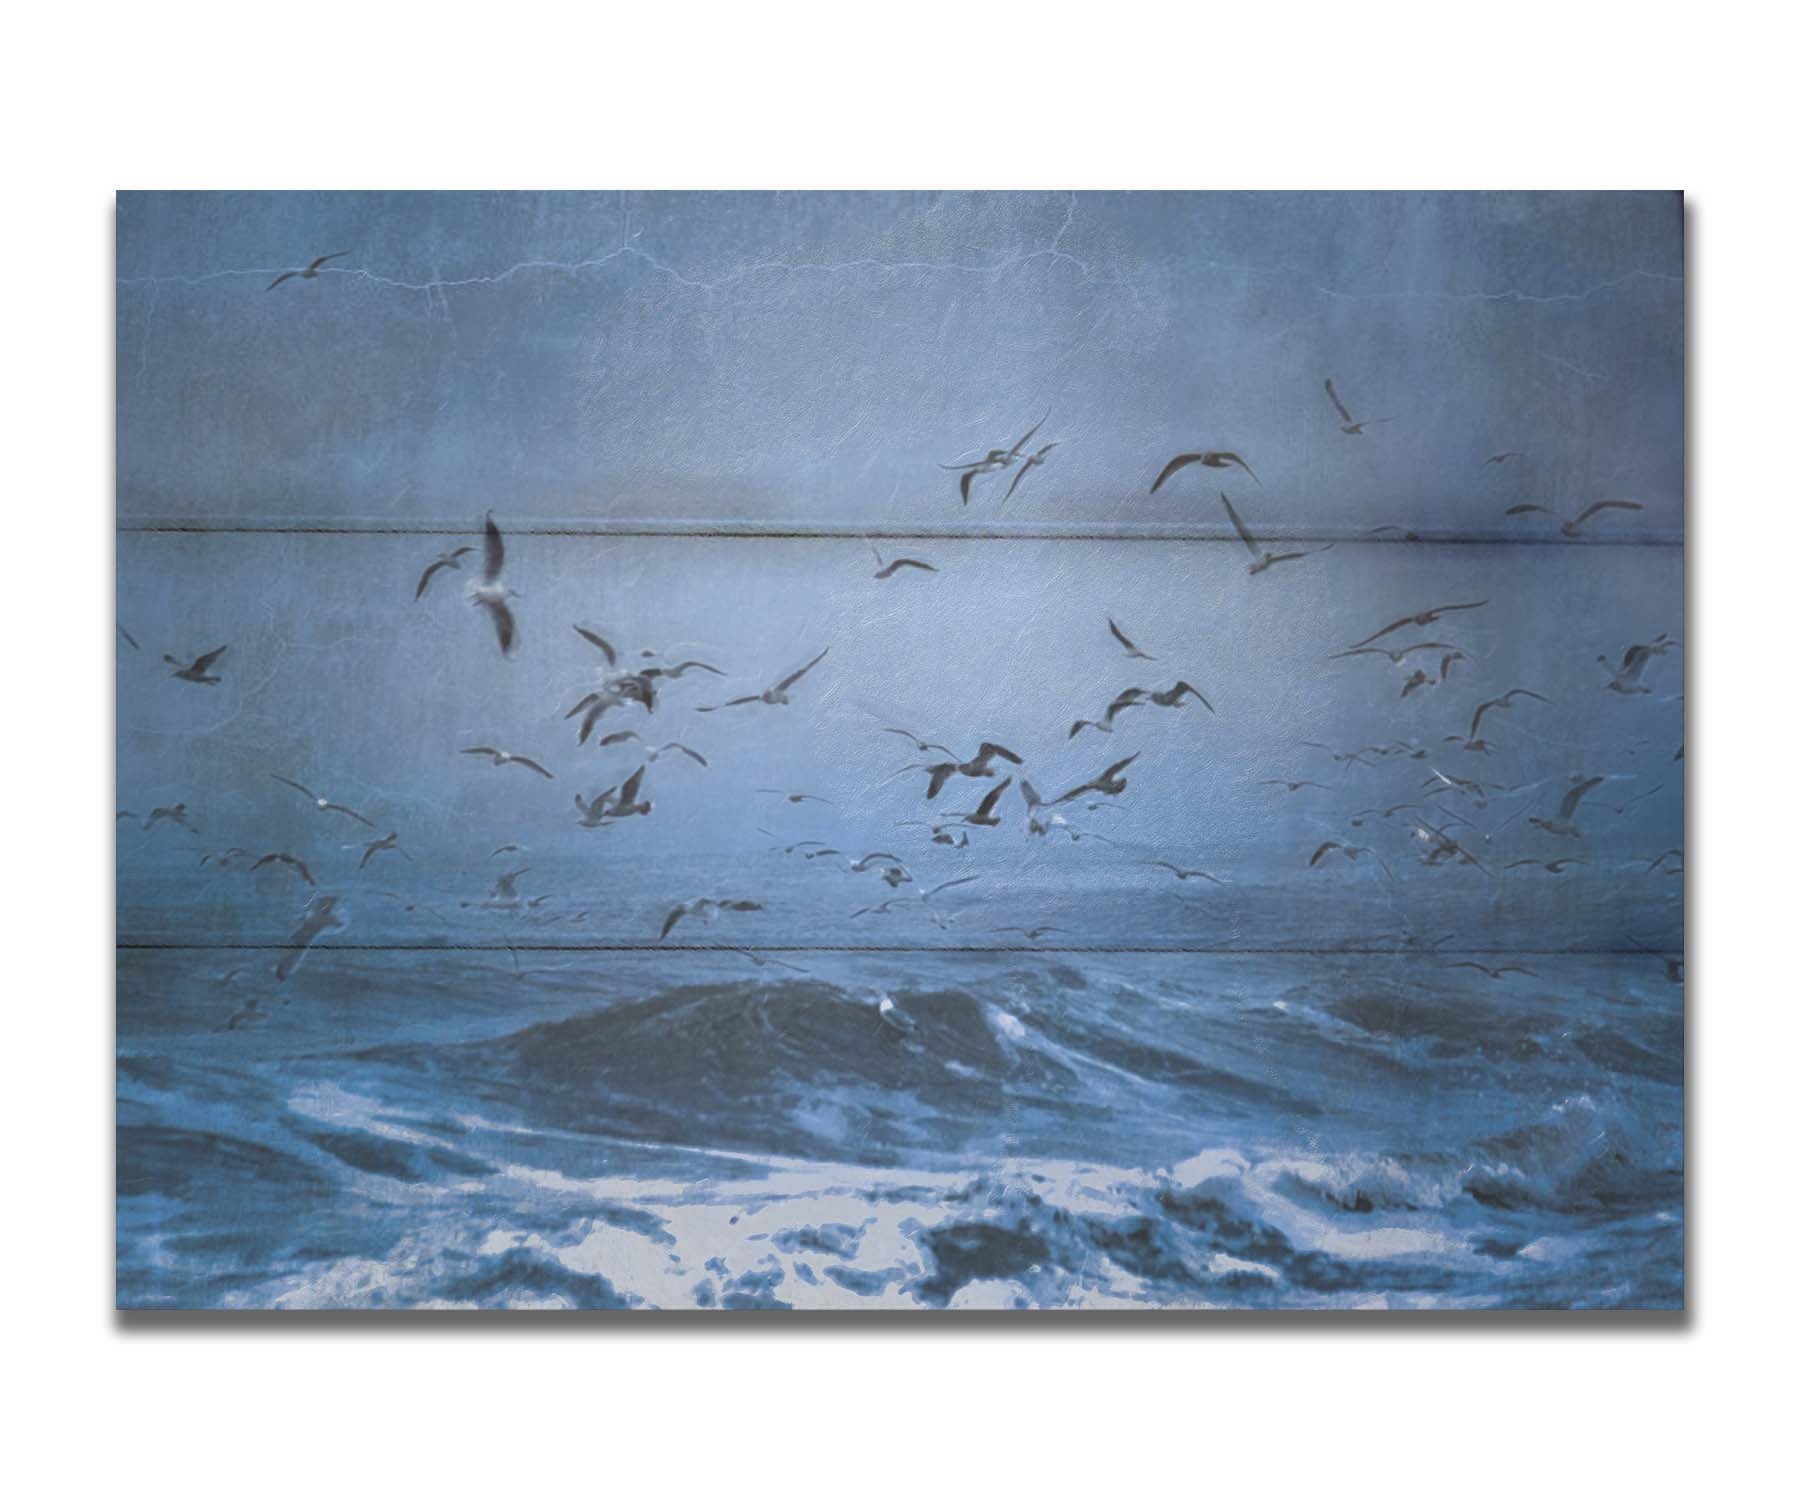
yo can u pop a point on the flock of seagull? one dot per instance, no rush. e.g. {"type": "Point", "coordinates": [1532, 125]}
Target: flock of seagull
{"type": "Point", "coordinates": [1442, 816]}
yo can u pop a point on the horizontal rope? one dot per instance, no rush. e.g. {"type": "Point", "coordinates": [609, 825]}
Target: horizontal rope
{"type": "Point", "coordinates": [784, 532]}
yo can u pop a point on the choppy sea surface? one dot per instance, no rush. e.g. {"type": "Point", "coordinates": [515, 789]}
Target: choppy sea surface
{"type": "Point", "coordinates": [550, 1128]}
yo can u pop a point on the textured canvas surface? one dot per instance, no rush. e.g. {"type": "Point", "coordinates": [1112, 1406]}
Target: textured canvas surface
{"type": "Point", "coordinates": [1310, 936]}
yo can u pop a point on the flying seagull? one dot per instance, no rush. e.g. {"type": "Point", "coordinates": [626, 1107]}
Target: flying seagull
{"type": "Point", "coordinates": [1031, 462]}
{"type": "Point", "coordinates": [980, 766]}
{"type": "Point", "coordinates": [616, 693]}
{"type": "Point", "coordinates": [1030, 934]}
{"type": "Point", "coordinates": [505, 894]}
{"type": "Point", "coordinates": [176, 814]}
{"type": "Point", "coordinates": [593, 814]}
{"type": "Point", "coordinates": [376, 846]}
{"type": "Point", "coordinates": [298, 866]}
{"type": "Point", "coordinates": [1473, 740]}
{"type": "Point", "coordinates": [321, 916]}
{"type": "Point", "coordinates": [619, 737]}
{"type": "Point", "coordinates": [997, 458]}
{"type": "Point", "coordinates": [1261, 558]}
{"type": "Point", "coordinates": [888, 570]}
{"type": "Point", "coordinates": [922, 746]}
{"type": "Point", "coordinates": [984, 815]}
{"type": "Point", "coordinates": [321, 803]}
{"type": "Point", "coordinates": [1493, 972]}
{"type": "Point", "coordinates": [1351, 427]}
{"type": "Point", "coordinates": [626, 804]}
{"type": "Point", "coordinates": [1628, 676]}
{"type": "Point", "coordinates": [1500, 458]}
{"type": "Point", "coordinates": [700, 908]}
{"type": "Point", "coordinates": [507, 758]}
{"type": "Point", "coordinates": [794, 797]}
{"type": "Point", "coordinates": [1210, 460]}
{"type": "Point", "coordinates": [1396, 657]}
{"type": "Point", "coordinates": [773, 696]}
{"type": "Point", "coordinates": [1563, 824]}
{"type": "Point", "coordinates": [1423, 617]}
{"type": "Point", "coordinates": [1357, 819]}
{"type": "Point", "coordinates": [442, 561]}
{"type": "Point", "coordinates": [311, 273]}
{"type": "Point", "coordinates": [1573, 528]}
{"type": "Point", "coordinates": [1181, 874]}
{"type": "Point", "coordinates": [491, 594]}
{"type": "Point", "coordinates": [1351, 852]}
{"type": "Point", "coordinates": [129, 640]}
{"type": "Point", "coordinates": [199, 669]}
{"type": "Point", "coordinates": [1554, 866]}
{"type": "Point", "coordinates": [1131, 648]}
{"type": "Point", "coordinates": [1109, 782]}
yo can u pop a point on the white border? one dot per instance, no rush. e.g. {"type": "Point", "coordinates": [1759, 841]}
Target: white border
{"type": "Point", "coordinates": [1524, 95]}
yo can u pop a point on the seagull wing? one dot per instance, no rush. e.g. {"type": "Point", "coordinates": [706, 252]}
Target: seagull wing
{"type": "Point", "coordinates": [1232, 458]}
{"type": "Point", "coordinates": [503, 622]}
{"type": "Point", "coordinates": [1127, 699]}
{"type": "Point", "coordinates": [960, 880]}
{"type": "Point", "coordinates": [612, 657]}
{"type": "Point", "coordinates": [348, 812]}
{"type": "Point", "coordinates": [1595, 509]}
{"type": "Point", "coordinates": [628, 792]}
{"type": "Point", "coordinates": [1174, 466]}
{"type": "Point", "coordinates": [987, 802]}
{"type": "Point", "coordinates": [676, 671]}
{"type": "Point", "coordinates": [318, 918]}
{"type": "Point", "coordinates": [713, 708]}
{"type": "Point", "coordinates": [532, 765]}
{"type": "Point", "coordinates": [1520, 510]}
{"type": "Point", "coordinates": [487, 750]}
{"type": "Point", "coordinates": [788, 681]}
{"type": "Point", "coordinates": [1343, 411]}
{"type": "Point", "coordinates": [669, 922]}
{"type": "Point", "coordinates": [493, 554]}
{"type": "Point", "coordinates": [968, 479]}
{"type": "Point", "coordinates": [691, 754]}
{"type": "Point", "coordinates": [1385, 630]}
{"type": "Point", "coordinates": [426, 577]}
{"type": "Point", "coordinates": [1125, 640]}
{"type": "Point", "coordinates": [203, 663]}
{"type": "Point", "coordinates": [989, 750]}
{"type": "Point", "coordinates": [1019, 447]}
{"type": "Point", "coordinates": [1575, 794]}
{"type": "Point", "coordinates": [284, 276]}
{"type": "Point", "coordinates": [306, 792]}
{"type": "Point", "coordinates": [1243, 531]}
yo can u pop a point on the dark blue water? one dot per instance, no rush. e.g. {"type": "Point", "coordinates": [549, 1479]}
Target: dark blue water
{"type": "Point", "coordinates": [1059, 1130]}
